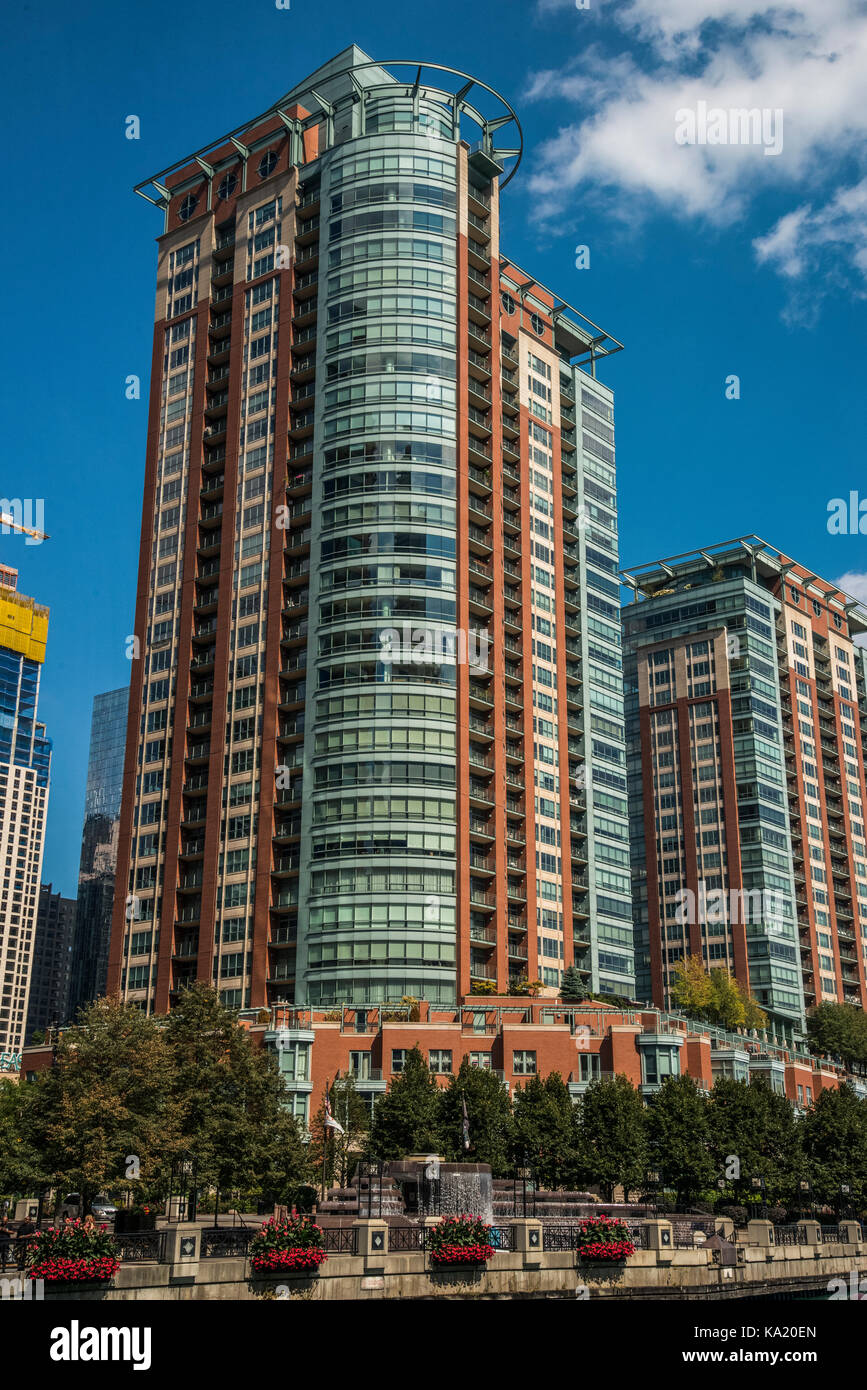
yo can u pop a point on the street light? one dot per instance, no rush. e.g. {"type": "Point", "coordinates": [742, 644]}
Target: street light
{"type": "Point", "coordinates": [758, 1185]}
{"type": "Point", "coordinates": [653, 1184]}
{"type": "Point", "coordinates": [845, 1192]}
{"type": "Point", "coordinates": [805, 1188]}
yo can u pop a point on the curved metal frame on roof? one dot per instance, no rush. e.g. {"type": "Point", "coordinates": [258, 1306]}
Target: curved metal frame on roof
{"type": "Point", "coordinates": [455, 100]}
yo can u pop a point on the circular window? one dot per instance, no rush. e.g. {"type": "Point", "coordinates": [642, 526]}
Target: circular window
{"type": "Point", "coordinates": [508, 303]}
{"type": "Point", "coordinates": [227, 186]}
{"type": "Point", "coordinates": [817, 609]}
{"type": "Point", "coordinates": [267, 164]}
{"type": "Point", "coordinates": [188, 206]}
{"type": "Point", "coordinates": [794, 595]}
{"type": "Point", "coordinates": [537, 324]}
{"type": "Point", "coordinates": [838, 621]}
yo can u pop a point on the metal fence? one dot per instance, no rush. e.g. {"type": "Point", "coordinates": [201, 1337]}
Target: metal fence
{"type": "Point", "coordinates": [225, 1244]}
{"type": "Point", "coordinates": [341, 1240]}
{"type": "Point", "coordinates": [566, 1237]}
{"type": "Point", "coordinates": [684, 1231]}
{"type": "Point", "coordinates": [831, 1235]}
{"type": "Point", "coordinates": [140, 1247]}
{"type": "Point", "coordinates": [790, 1235]}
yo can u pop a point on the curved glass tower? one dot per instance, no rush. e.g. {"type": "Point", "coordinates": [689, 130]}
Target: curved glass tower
{"type": "Point", "coordinates": [360, 700]}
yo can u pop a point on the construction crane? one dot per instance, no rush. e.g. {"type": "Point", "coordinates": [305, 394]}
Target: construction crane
{"type": "Point", "coordinates": [7, 519]}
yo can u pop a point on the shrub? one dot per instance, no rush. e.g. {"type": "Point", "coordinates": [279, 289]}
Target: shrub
{"type": "Point", "coordinates": [294, 1244]}
{"type": "Point", "coordinates": [460, 1240]}
{"type": "Point", "coordinates": [604, 1238]}
{"type": "Point", "coordinates": [70, 1253]}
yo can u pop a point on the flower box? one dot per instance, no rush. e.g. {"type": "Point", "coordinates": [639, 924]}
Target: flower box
{"type": "Point", "coordinates": [60, 1270]}
{"type": "Point", "coordinates": [459, 1241]}
{"type": "Point", "coordinates": [72, 1254]}
{"type": "Point", "coordinates": [450, 1255]}
{"type": "Point", "coordinates": [291, 1245]}
{"type": "Point", "coordinates": [288, 1261]}
{"type": "Point", "coordinates": [605, 1239]}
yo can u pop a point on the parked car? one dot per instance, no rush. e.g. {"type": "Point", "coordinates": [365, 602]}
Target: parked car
{"type": "Point", "coordinates": [103, 1208]}
{"type": "Point", "coordinates": [70, 1206]}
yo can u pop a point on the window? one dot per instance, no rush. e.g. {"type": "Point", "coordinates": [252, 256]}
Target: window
{"type": "Point", "coordinates": [507, 302]}
{"type": "Point", "coordinates": [228, 184]}
{"type": "Point", "coordinates": [188, 206]}
{"type": "Point", "coordinates": [524, 1063]}
{"type": "Point", "coordinates": [440, 1061]}
{"type": "Point", "coordinates": [359, 1065]}
{"type": "Point", "coordinates": [398, 1057]}
{"type": "Point", "coordinates": [537, 324]}
{"type": "Point", "coordinates": [267, 164]}
{"type": "Point", "coordinates": [481, 1059]}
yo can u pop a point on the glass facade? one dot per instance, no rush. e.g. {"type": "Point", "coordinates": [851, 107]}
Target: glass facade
{"type": "Point", "coordinates": [96, 873]}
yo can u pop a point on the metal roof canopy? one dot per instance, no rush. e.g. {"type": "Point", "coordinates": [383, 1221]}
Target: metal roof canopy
{"type": "Point", "coordinates": [455, 102]}
{"type": "Point", "coordinates": [764, 555]}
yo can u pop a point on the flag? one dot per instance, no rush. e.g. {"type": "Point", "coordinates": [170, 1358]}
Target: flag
{"type": "Point", "coordinates": [330, 1121]}
{"type": "Point", "coordinates": [466, 1123]}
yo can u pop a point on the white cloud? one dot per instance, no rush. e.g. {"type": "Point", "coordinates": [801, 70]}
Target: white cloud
{"type": "Point", "coordinates": [808, 61]}
{"type": "Point", "coordinates": [854, 582]}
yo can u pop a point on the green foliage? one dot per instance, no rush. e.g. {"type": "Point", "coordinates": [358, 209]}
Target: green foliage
{"type": "Point", "coordinates": [490, 1119]}
{"type": "Point", "coordinates": [716, 996]}
{"type": "Point", "coordinates": [679, 1137]}
{"type": "Point", "coordinates": [106, 1097]}
{"type": "Point", "coordinates": [544, 1130]}
{"type": "Point", "coordinates": [840, 1030]}
{"type": "Point", "coordinates": [228, 1099]}
{"type": "Point", "coordinates": [350, 1110]}
{"type": "Point", "coordinates": [128, 1084]}
{"type": "Point", "coordinates": [406, 1118]}
{"type": "Point", "coordinates": [835, 1146]}
{"type": "Point", "coordinates": [758, 1127]}
{"type": "Point", "coordinates": [572, 986]}
{"type": "Point", "coordinates": [612, 1141]}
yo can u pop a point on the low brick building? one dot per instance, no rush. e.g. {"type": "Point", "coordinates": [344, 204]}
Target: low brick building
{"type": "Point", "coordinates": [516, 1038]}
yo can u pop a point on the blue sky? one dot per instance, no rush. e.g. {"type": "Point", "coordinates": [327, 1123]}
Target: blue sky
{"type": "Point", "coordinates": [705, 262]}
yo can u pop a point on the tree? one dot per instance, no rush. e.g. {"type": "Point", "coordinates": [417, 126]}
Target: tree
{"type": "Point", "coordinates": [544, 1130]}
{"type": "Point", "coordinates": [690, 988]}
{"type": "Point", "coordinates": [230, 1100]}
{"type": "Point", "coordinates": [406, 1118]}
{"type": "Point", "coordinates": [715, 996]}
{"type": "Point", "coordinates": [838, 1030]}
{"type": "Point", "coordinates": [572, 986]}
{"type": "Point", "coordinates": [21, 1171]}
{"type": "Point", "coordinates": [103, 1104]}
{"type": "Point", "coordinates": [755, 1125]}
{"type": "Point", "coordinates": [835, 1145]}
{"type": "Point", "coordinates": [612, 1141]}
{"type": "Point", "coordinates": [679, 1137]}
{"type": "Point", "coordinates": [489, 1114]}
{"type": "Point", "coordinates": [352, 1113]}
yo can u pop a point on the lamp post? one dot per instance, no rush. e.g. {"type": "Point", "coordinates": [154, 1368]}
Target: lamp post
{"type": "Point", "coordinates": [758, 1185]}
{"type": "Point", "coordinates": [653, 1185]}
{"type": "Point", "coordinates": [845, 1206]}
{"type": "Point", "coordinates": [805, 1190]}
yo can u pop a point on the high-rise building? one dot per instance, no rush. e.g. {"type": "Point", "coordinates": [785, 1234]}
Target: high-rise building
{"type": "Point", "coordinates": [745, 699]}
{"type": "Point", "coordinates": [375, 743]}
{"type": "Point", "coordinates": [25, 764]}
{"type": "Point", "coordinates": [52, 957]}
{"type": "Point", "coordinates": [98, 863]}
